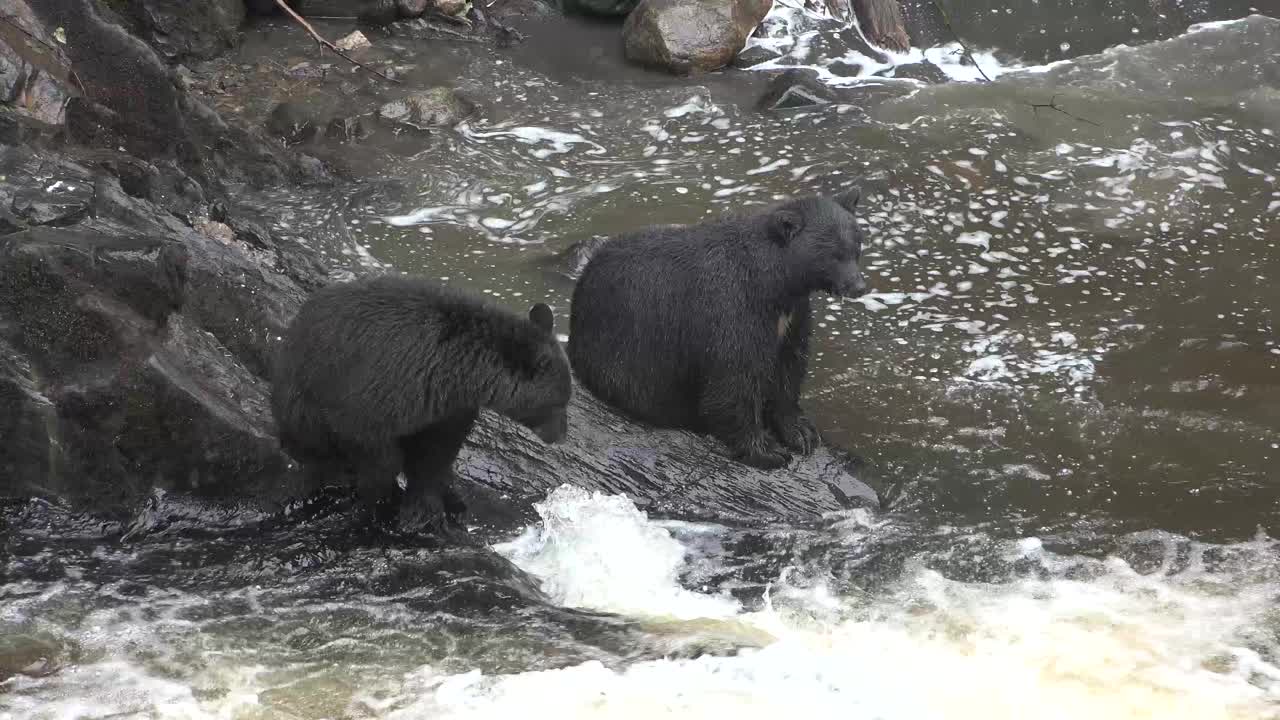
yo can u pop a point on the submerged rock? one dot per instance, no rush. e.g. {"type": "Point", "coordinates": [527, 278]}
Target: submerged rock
{"type": "Point", "coordinates": [291, 123]}
{"type": "Point", "coordinates": [923, 71]}
{"type": "Point", "coordinates": [754, 55]}
{"type": "Point", "coordinates": [794, 89]}
{"type": "Point", "coordinates": [687, 36]}
{"type": "Point", "coordinates": [435, 107]}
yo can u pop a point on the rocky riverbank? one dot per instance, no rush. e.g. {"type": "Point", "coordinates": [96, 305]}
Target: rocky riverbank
{"type": "Point", "coordinates": [140, 302]}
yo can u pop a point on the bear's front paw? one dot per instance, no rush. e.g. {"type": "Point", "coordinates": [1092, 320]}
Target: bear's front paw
{"type": "Point", "coordinates": [765, 454]}
{"type": "Point", "coordinates": [799, 435]}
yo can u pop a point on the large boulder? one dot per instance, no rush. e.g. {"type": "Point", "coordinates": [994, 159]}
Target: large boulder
{"type": "Point", "coordinates": [133, 347]}
{"type": "Point", "coordinates": [184, 30]}
{"type": "Point", "coordinates": [687, 36]}
{"type": "Point", "coordinates": [34, 72]}
{"type": "Point", "coordinates": [123, 95]}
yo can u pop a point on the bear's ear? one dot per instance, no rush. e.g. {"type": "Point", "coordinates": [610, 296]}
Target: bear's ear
{"type": "Point", "coordinates": [541, 316]}
{"type": "Point", "coordinates": [785, 225]}
{"type": "Point", "coordinates": [849, 198]}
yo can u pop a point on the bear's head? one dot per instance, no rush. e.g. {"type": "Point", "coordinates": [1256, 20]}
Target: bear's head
{"type": "Point", "coordinates": [822, 243]}
{"type": "Point", "coordinates": [542, 403]}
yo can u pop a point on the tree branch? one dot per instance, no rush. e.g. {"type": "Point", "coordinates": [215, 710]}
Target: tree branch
{"type": "Point", "coordinates": [325, 43]}
{"type": "Point", "coordinates": [1053, 105]}
{"type": "Point", "coordinates": [946, 20]}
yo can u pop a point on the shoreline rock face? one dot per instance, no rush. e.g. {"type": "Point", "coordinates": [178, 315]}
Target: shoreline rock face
{"type": "Point", "coordinates": [690, 36]}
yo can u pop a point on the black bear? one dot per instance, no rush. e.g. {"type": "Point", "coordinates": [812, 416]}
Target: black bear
{"type": "Point", "coordinates": [707, 326]}
{"type": "Point", "coordinates": [387, 375]}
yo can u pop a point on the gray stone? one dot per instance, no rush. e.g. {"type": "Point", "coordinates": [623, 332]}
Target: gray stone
{"type": "Point", "coordinates": [689, 36]}
{"type": "Point", "coordinates": [754, 55]}
{"type": "Point", "coordinates": [292, 123]}
{"type": "Point", "coordinates": [794, 89]}
{"type": "Point", "coordinates": [923, 71]}
{"type": "Point", "coordinates": [434, 107]}
{"type": "Point", "coordinates": [412, 8]}
{"type": "Point", "coordinates": [60, 202]}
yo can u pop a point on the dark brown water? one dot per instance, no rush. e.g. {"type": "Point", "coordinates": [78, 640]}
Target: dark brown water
{"type": "Point", "coordinates": [1069, 369]}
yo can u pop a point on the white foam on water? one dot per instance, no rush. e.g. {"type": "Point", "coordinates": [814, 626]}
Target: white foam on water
{"type": "Point", "coordinates": [1108, 643]}
{"type": "Point", "coordinates": [1118, 645]}
{"type": "Point", "coordinates": [787, 30]}
{"type": "Point", "coordinates": [575, 550]}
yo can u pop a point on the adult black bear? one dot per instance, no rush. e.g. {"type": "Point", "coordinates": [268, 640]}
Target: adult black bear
{"type": "Point", "coordinates": [707, 326]}
{"type": "Point", "coordinates": [388, 374]}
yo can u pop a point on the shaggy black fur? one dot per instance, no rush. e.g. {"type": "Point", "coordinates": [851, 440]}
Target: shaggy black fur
{"type": "Point", "coordinates": [707, 326]}
{"type": "Point", "coordinates": [388, 374]}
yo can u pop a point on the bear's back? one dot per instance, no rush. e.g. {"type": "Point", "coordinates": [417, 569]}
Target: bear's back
{"type": "Point", "coordinates": [647, 307]}
{"type": "Point", "coordinates": [369, 359]}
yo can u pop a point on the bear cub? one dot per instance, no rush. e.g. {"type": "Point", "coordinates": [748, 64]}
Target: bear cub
{"type": "Point", "coordinates": [387, 375]}
{"type": "Point", "coordinates": [706, 327]}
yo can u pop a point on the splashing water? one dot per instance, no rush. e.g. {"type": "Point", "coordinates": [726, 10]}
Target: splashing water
{"type": "Point", "coordinates": [1118, 644]}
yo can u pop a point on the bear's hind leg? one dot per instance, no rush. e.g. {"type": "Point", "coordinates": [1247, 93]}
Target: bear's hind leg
{"type": "Point", "coordinates": [430, 502]}
{"type": "Point", "coordinates": [731, 407]}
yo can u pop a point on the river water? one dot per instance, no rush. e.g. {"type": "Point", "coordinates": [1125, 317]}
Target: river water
{"type": "Point", "coordinates": [1068, 373]}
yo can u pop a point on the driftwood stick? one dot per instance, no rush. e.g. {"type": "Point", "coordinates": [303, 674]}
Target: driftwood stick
{"type": "Point", "coordinates": [1054, 106]}
{"type": "Point", "coordinates": [325, 43]}
{"type": "Point", "coordinates": [946, 20]}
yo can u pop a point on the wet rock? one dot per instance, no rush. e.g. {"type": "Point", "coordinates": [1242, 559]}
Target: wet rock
{"type": "Point", "coordinates": [62, 202]}
{"type": "Point", "coordinates": [794, 89]}
{"type": "Point", "coordinates": [451, 8]}
{"type": "Point", "coordinates": [687, 36]}
{"type": "Point", "coordinates": [354, 41]}
{"type": "Point", "coordinates": [181, 29]}
{"type": "Point", "coordinates": [11, 129]}
{"type": "Point", "coordinates": [133, 351]}
{"type": "Point", "coordinates": [306, 71]}
{"type": "Point", "coordinates": [845, 69]}
{"type": "Point", "coordinates": [601, 8]}
{"type": "Point", "coordinates": [435, 107]}
{"type": "Point", "coordinates": [345, 129]}
{"type": "Point", "coordinates": [131, 102]}
{"type": "Point", "coordinates": [922, 71]}
{"type": "Point", "coordinates": [291, 123]}
{"type": "Point", "coordinates": [608, 452]}
{"type": "Point", "coordinates": [33, 70]}
{"type": "Point", "coordinates": [754, 55]}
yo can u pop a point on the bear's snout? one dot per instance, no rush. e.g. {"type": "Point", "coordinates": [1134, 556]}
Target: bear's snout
{"type": "Point", "coordinates": [851, 283]}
